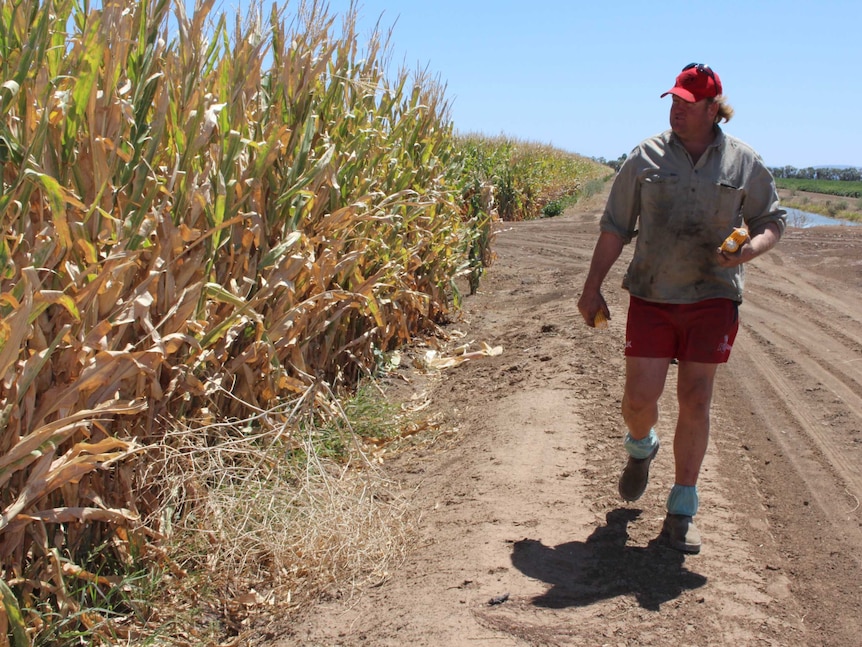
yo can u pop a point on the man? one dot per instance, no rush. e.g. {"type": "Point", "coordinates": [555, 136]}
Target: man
{"type": "Point", "coordinates": [679, 195]}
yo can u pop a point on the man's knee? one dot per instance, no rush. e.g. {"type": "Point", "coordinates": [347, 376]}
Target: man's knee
{"type": "Point", "coordinates": [638, 400]}
{"type": "Point", "coordinates": [696, 398]}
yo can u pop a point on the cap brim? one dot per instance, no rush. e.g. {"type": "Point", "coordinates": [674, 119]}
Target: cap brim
{"type": "Point", "coordinates": [682, 93]}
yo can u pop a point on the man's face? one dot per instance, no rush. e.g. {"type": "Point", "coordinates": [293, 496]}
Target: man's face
{"type": "Point", "coordinates": [692, 120]}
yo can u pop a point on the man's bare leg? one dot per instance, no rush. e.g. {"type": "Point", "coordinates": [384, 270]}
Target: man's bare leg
{"type": "Point", "coordinates": [694, 393]}
{"type": "Point", "coordinates": [645, 379]}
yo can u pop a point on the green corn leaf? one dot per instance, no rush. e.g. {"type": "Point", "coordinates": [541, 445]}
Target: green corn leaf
{"type": "Point", "coordinates": [46, 298]}
{"type": "Point", "coordinates": [56, 197]}
{"type": "Point", "coordinates": [274, 255]}
{"type": "Point", "coordinates": [14, 616]}
{"type": "Point", "coordinates": [7, 266]}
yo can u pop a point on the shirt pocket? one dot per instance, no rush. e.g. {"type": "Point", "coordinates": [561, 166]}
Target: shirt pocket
{"type": "Point", "coordinates": [659, 193]}
{"type": "Point", "coordinates": [727, 201]}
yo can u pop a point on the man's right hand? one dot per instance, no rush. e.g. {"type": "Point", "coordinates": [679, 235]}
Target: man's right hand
{"type": "Point", "coordinates": [590, 304]}
{"type": "Point", "coordinates": [608, 248]}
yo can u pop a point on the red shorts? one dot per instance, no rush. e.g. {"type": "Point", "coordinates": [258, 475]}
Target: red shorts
{"type": "Point", "coordinates": [690, 332]}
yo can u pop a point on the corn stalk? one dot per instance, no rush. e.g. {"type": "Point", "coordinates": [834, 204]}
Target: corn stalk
{"type": "Point", "coordinates": [187, 228]}
{"type": "Point", "coordinates": [525, 176]}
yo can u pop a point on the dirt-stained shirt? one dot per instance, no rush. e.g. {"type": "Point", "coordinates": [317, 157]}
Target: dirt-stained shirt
{"type": "Point", "coordinates": [679, 213]}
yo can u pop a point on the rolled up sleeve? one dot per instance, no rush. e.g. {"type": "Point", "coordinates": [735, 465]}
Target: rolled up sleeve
{"type": "Point", "coordinates": [623, 206]}
{"type": "Point", "coordinates": [761, 205]}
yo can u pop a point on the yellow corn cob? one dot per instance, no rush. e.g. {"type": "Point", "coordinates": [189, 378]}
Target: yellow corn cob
{"type": "Point", "coordinates": [736, 239]}
{"type": "Point", "coordinates": [600, 320]}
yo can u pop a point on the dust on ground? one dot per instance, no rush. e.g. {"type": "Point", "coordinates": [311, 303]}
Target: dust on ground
{"type": "Point", "coordinates": [521, 536]}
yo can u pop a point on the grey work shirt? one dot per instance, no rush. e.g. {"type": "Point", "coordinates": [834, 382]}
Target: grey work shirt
{"type": "Point", "coordinates": [679, 213]}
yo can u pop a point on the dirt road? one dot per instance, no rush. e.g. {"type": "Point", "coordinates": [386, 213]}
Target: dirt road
{"type": "Point", "coordinates": [518, 503]}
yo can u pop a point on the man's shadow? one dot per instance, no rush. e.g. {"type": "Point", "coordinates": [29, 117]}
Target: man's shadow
{"type": "Point", "coordinates": [602, 567]}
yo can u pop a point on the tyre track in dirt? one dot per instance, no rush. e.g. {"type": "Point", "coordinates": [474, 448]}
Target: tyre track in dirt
{"type": "Point", "coordinates": [809, 350]}
{"type": "Point", "coordinates": [797, 373]}
{"type": "Point", "coordinates": [808, 366]}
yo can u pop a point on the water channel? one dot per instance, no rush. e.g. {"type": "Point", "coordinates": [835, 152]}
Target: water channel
{"type": "Point", "coordinates": [804, 219]}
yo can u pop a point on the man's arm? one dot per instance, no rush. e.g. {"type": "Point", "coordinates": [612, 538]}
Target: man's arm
{"type": "Point", "coordinates": [608, 249]}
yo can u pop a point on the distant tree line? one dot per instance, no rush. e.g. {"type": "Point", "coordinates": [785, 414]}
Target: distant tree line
{"type": "Point", "coordinates": [848, 174]}
{"type": "Point", "coordinates": [614, 164]}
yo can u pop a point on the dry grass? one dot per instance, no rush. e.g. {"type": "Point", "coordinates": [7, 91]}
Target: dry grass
{"type": "Point", "coordinates": [267, 524]}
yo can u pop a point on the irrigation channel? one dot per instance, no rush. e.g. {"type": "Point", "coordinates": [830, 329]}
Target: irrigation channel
{"type": "Point", "coordinates": [804, 219]}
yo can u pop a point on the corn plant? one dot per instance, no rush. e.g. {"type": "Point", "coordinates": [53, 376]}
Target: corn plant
{"type": "Point", "coordinates": [526, 176]}
{"type": "Point", "coordinates": [187, 230]}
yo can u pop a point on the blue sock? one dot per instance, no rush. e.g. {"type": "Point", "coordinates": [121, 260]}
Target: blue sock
{"type": "Point", "coordinates": [683, 500]}
{"type": "Point", "coordinates": [643, 447]}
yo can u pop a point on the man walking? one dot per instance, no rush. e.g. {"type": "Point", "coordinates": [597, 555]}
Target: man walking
{"type": "Point", "coordinates": [679, 195]}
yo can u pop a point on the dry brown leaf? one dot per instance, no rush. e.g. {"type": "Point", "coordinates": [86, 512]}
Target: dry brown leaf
{"type": "Point", "coordinates": [433, 360]}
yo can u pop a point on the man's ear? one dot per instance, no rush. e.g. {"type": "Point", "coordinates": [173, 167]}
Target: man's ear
{"type": "Point", "coordinates": [713, 110]}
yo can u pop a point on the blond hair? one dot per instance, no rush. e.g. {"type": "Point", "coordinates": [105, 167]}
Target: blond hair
{"type": "Point", "coordinates": [725, 110]}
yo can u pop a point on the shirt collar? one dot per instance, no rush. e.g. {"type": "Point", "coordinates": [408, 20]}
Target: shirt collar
{"type": "Point", "coordinates": [718, 141]}
{"type": "Point", "coordinates": [719, 137]}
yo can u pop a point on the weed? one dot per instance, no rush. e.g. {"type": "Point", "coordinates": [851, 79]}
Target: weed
{"type": "Point", "coordinates": [370, 414]}
{"type": "Point", "coordinates": [552, 209]}
{"type": "Point", "coordinates": [96, 605]}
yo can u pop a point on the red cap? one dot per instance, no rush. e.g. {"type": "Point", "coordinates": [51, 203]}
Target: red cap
{"type": "Point", "coordinates": [696, 81]}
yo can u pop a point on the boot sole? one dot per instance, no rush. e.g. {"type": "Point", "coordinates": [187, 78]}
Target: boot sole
{"type": "Point", "coordinates": [681, 546]}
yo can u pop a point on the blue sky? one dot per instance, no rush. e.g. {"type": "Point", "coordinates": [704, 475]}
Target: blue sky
{"type": "Point", "coordinates": [586, 76]}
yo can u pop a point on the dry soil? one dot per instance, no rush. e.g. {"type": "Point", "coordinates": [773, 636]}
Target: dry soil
{"type": "Point", "coordinates": [522, 538]}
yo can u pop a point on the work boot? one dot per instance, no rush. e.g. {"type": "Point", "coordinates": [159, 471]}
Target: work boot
{"type": "Point", "coordinates": [633, 480]}
{"type": "Point", "coordinates": [680, 533]}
